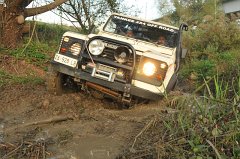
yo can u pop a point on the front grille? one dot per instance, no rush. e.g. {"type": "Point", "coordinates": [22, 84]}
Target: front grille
{"type": "Point", "coordinates": [108, 53]}
{"type": "Point", "coordinates": [107, 58]}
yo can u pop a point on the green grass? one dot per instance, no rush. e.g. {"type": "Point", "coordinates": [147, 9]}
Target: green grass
{"type": "Point", "coordinates": [7, 79]}
{"type": "Point", "coordinates": [205, 126]}
{"type": "Point", "coordinates": [35, 53]}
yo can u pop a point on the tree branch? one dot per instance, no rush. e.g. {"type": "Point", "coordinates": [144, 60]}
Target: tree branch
{"type": "Point", "coordinates": [38, 10]}
{"type": "Point", "coordinates": [14, 3]}
{"type": "Point", "coordinates": [86, 12]}
{"type": "Point", "coordinates": [78, 17]}
{"type": "Point", "coordinates": [26, 3]}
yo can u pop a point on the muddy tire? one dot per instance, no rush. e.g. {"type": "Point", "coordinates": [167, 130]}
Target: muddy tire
{"type": "Point", "coordinates": [175, 85]}
{"type": "Point", "coordinates": [54, 82]}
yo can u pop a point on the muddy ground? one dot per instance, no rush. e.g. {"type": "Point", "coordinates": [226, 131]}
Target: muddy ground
{"type": "Point", "coordinates": [70, 126]}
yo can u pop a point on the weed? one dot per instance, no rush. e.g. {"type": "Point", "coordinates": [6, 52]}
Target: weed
{"type": "Point", "coordinates": [36, 53]}
{"type": "Point", "coordinates": [6, 79]}
{"type": "Point", "coordinates": [205, 126]}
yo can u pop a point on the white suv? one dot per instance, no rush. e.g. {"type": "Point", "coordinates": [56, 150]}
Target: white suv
{"type": "Point", "coordinates": [128, 58]}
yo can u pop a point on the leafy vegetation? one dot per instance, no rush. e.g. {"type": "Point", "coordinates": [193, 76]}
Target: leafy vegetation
{"type": "Point", "coordinates": [207, 126]}
{"type": "Point", "coordinates": [214, 49]}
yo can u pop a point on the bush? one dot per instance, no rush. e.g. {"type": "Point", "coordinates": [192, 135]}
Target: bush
{"type": "Point", "coordinates": [214, 48]}
{"type": "Point", "coordinates": [200, 68]}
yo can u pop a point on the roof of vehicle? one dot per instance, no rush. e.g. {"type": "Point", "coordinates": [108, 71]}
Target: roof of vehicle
{"type": "Point", "coordinates": [149, 21]}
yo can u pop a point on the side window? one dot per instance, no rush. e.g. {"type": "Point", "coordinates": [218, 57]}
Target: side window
{"type": "Point", "coordinates": [172, 39]}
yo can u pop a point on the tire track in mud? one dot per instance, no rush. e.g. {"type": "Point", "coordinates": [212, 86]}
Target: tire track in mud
{"type": "Point", "coordinates": [99, 129]}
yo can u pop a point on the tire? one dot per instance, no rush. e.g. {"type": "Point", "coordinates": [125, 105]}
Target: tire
{"type": "Point", "coordinates": [175, 85]}
{"type": "Point", "coordinates": [172, 83]}
{"type": "Point", "coordinates": [54, 82]}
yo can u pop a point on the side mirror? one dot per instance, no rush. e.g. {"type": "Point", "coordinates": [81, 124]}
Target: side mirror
{"type": "Point", "coordinates": [184, 52]}
{"type": "Point", "coordinates": [184, 26]}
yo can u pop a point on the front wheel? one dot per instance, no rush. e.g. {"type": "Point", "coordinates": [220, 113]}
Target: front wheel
{"type": "Point", "coordinates": [54, 82]}
{"type": "Point", "coordinates": [175, 85]}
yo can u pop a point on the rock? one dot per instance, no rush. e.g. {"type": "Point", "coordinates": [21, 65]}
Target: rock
{"type": "Point", "coordinates": [45, 104]}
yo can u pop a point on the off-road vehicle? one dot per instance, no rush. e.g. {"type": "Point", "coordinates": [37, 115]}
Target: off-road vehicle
{"type": "Point", "coordinates": [118, 64]}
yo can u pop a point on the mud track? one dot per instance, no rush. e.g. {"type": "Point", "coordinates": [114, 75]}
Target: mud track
{"type": "Point", "coordinates": [71, 126]}
{"type": "Point", "coordinates": [97, 129]}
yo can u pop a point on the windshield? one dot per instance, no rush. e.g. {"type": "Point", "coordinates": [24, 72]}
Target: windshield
{"type": "Point", "coordinates": [150, 32]}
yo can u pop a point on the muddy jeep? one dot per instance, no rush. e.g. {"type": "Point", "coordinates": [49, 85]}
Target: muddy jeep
{"type": "Point", "coordinates": [129, 58]}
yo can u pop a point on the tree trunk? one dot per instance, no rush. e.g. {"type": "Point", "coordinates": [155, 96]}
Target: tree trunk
{"type": "Point", "coordinates": [12, 18]}
{"type": "Point", "coordinates": [1, 22]}
{"type": "Point", "coordinates": [11, 30]}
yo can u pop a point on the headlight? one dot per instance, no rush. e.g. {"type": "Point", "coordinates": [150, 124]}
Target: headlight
{"type": "Point", "coordinates": [149, 69]}
{"type": "Point", "coordinates": [122, 54]}
{"type": "Point", "coordinates": [96, 47]}
{"type": "Point", "coordinates": [75, 48]}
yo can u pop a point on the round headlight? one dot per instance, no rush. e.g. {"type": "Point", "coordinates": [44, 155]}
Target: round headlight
{"type": "Point", "coordinates": [75, 48]}
{"type": "Point", "coordinates": [96, 47]}
{"type": "Point", "coordinates": [149, 69]}
{"type": "Point", "coordinates": [122, 54]}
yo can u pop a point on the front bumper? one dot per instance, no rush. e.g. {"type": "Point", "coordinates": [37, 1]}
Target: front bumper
{"type": "Point", "coordinates": [116, 86]}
